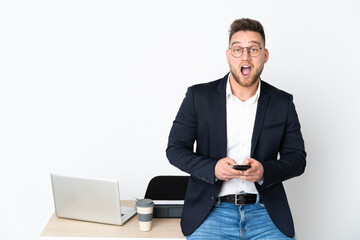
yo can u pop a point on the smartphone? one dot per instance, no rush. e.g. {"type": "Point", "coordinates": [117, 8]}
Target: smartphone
{"type": "Point", "coordinates": [241, 167]}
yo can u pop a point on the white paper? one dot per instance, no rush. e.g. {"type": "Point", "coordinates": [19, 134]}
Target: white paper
{"type": "Point", "coordinates": [168, 202]}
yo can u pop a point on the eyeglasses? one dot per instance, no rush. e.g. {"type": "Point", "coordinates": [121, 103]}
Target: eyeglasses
{"type": "Point", "coordinates": [238, 51]}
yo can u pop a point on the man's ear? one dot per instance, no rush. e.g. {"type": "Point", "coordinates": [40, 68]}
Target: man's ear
{"type": "Point", "coordinates": [227, 55]}
{"type": "Point", "coordinates": [266, 55]}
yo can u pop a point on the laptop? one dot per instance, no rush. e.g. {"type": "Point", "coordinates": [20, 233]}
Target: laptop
{"type": "Point", "coordinates": [89, 199]}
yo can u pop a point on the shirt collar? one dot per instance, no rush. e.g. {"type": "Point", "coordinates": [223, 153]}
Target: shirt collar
{"type": "Point", "coordinates": [251, 100]}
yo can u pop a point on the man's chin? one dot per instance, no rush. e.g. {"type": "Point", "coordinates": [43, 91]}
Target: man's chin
{"type": "Point", "coordinates": [247, 82]}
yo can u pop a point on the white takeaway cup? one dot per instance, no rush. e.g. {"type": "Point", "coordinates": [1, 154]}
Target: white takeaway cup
{"type": "Point", "coordinates": [145, 209]}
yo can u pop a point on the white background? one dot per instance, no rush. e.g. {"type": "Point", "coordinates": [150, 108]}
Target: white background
{"type": "Point", "coordinates": [91, 88]}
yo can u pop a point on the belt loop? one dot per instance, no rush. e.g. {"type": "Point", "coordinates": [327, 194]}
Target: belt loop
{"type": "Point", "coordinates": [257, 198]}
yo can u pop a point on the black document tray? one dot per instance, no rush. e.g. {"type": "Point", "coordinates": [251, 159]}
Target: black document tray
{"type": "Point", "coordinates": [168, 210]}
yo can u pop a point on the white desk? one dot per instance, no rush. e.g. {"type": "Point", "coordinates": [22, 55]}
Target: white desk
{"type": "Point", "coordinates": [65, 229]}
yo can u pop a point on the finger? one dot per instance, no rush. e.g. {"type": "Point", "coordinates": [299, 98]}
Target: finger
{"type": "Point", "coordinates": [252, 177]}
{"type": "Point", "coordinates": [248, 178]}
{"type": "Point", "coordinates": [226, 172]}
{"type": "Point", "coordinates": [236, 172]}
{"type": "Point", "coordinates": [254, 168]}
{"type": "Point", "coordinates": [254, 165]}
{"type": "Point", "coordinates": [249, 161]}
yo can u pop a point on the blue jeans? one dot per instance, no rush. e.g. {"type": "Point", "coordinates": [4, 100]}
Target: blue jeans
{"type": "Point", "coordinates": [246, 222]}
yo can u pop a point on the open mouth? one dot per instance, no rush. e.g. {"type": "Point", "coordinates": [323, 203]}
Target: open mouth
{"type": "Point", "coordinates": [245, 70]}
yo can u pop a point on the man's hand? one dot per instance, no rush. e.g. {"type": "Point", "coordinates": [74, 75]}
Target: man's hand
{"type": "Point", "coordinates": [223, 171]}
{"type": "Point", "coordinates": [253, 174]}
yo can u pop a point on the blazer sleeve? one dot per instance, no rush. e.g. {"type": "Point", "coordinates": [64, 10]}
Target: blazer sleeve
{"type": "Point", "coordinates": [292, 152]}
{"type": "Point", "coordinates": [183, 134]}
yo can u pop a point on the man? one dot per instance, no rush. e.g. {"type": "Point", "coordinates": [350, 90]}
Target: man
{"type": "Point", "coordinates": [238, 119]}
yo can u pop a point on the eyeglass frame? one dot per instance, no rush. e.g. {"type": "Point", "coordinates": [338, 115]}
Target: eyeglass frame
{"type": "Point", "coordinates": [247, 49]}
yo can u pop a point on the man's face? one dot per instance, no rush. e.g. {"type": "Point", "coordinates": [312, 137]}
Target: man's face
{"type": "Point", "coordinates": [246, 70]}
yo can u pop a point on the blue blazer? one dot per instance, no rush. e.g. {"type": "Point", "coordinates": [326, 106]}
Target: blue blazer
{"type": "Point", "coordinates": [202, 118]}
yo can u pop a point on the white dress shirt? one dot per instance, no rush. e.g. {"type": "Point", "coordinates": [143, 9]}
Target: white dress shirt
{"type": "Point", "coordinates": [240, 118]}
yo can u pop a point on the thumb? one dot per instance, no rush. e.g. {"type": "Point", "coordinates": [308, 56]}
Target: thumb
{"type": "Point", "coordinates": [248, 161]}
{"type": "Point", "coordinates": [230, 161]}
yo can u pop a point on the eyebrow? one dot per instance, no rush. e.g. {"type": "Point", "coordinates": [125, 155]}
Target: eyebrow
{"type": "Point", "coordinates": [237, 42]}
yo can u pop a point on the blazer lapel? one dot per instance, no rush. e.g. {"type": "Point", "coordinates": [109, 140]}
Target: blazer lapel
{"type": "Point", "coordinates": [259, 118]}
{"type": "Point", "coordinates": [220, 114]}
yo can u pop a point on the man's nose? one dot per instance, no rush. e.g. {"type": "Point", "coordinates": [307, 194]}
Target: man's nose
{"type": "Point", "coordinates": [245, 55]}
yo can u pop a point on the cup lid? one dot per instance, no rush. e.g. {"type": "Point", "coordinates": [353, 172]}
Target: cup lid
{"type": "Point", "coordinates": [146, 202]}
